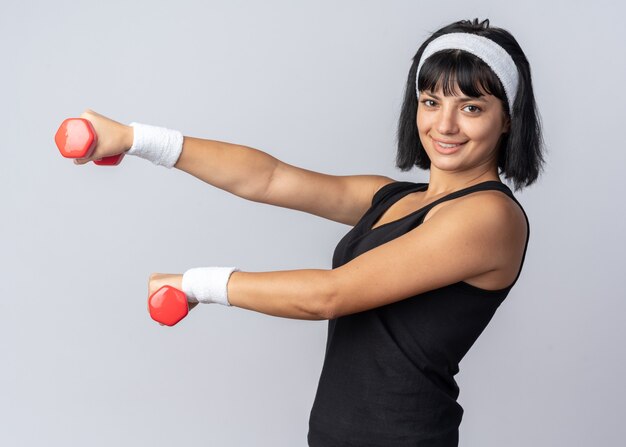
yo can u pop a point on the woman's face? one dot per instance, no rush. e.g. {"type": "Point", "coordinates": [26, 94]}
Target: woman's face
{"type": "Point", "coordinates": [476, 123]}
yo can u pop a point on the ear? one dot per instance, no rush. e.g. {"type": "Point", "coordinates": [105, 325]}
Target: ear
{"type": "Point", "coordinates": [507, 125]}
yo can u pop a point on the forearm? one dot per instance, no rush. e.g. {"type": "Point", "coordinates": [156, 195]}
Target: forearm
{"type": "Point", "coordinates": [298, 294]}
{"type": "Point", "coordinates": [240, 170]}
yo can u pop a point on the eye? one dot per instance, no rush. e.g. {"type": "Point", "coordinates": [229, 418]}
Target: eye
{"type": "Point", "coordinates": [476, 108]}
{"type": "Point", "coordinates": [425, 101]}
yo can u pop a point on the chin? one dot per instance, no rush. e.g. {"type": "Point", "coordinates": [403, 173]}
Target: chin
{"type": "Point", "coordinates": [444, 162]}
{"type": "Point", "coordinates": [449, 167]}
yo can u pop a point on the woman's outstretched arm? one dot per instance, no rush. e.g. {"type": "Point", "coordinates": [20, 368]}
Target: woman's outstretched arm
{"type": "Point", "coordinates": [297, 294]}
{"type": "Point", "coordinates": [240, 170]}
{"type": "Point", "coordinates": [258, 176]}
{"type": "Point", "coordinates": [481, 234]}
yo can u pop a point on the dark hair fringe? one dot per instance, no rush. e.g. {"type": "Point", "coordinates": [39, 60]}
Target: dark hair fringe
{"type": "Point", "coordinates": [520, 156]}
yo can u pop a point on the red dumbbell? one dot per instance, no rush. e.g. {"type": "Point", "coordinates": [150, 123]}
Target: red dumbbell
{"type": "Point", "coordinates": [76, 138]}
{"type": "Point", "coordinates": [168, 305]}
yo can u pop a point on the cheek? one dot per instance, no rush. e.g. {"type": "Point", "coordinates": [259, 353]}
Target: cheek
{"type": "Point", "coordinates": [487, 130]}
{"type": "Point", "coordinates": [422, 121]}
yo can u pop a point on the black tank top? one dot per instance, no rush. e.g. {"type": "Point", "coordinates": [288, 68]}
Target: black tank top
{"type": "Point", "coordinates": [388, 373]}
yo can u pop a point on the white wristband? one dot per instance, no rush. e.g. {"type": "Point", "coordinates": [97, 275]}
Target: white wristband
{"type": "Point", "coordinates": [208, 284]}
{"type": "Point", "coordinates": [160, 145]}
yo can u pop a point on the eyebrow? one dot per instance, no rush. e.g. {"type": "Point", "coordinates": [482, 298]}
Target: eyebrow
{"type": "Point", "coordinates": [462, 98]}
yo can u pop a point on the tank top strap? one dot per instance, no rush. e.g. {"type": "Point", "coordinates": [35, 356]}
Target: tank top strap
{"type": "Point", "coordinates": [392, 189]}
{"type": "Point", "coordinates": [392, 192]}
{"type": "Point", "coordinates": [483, 186]}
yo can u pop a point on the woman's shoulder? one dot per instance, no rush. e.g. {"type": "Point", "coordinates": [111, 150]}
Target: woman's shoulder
{"type": "Point", "coordinates": [499, 203]}
{"type": "Point", "coordinates": [497, 208]}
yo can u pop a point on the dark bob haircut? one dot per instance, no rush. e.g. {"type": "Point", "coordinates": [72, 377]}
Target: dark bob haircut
{"type": "Point", "coordinates": [520, 154]}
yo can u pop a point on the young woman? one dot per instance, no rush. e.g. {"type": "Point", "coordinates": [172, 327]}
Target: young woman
{"type": "Point", "coordinates": [425, 265]}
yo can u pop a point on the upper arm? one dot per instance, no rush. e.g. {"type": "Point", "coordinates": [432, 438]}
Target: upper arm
{"type": "Point", "coordinates": [341, 198]}
{"type": "Point", "coordinates": [462, 240]}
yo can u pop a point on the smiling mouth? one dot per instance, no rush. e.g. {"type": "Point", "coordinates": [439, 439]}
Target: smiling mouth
{"type": "Point", "coordinates": [447, 145]}
{"type": "Point", "coordinates": [447, 149]}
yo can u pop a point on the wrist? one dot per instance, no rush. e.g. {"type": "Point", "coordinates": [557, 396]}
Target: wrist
{"type": "Point", "coordinates": [160, 145]}
{"type": "Point", "coordinates": [128, 137]}
{"type": "Point", "coordinates": [207, 284]}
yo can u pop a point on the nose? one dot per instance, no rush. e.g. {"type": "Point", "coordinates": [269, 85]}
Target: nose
{"type": "Point", "coordinates": [446, 121]}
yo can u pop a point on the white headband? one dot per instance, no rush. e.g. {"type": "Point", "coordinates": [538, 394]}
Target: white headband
{"type": "Point", "coordinates": [486, 49]}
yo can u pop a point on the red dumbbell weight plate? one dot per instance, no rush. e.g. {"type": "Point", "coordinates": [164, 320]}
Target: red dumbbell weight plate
{"type": "Point", "coordinates": [76, 138]}
{"type": "Point", "coordinates": [168, 305]}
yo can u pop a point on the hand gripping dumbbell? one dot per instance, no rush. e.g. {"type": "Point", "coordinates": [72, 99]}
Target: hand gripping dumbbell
{"type": "Point", "coordinates": [76, 138]}
{"type": "Point", "coordinates": [168, 305]}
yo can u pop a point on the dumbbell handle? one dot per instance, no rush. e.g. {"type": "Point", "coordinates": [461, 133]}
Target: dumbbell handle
{"type": "Point", "coordinates": [76, 138]}
{"type": "Point", "coordinates": [168, 305]}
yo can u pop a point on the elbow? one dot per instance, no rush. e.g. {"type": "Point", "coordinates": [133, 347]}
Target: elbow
{"type": "Point", "coordinates": [328, 298]}
{"type": "Point", "coordinates": [326, 312]}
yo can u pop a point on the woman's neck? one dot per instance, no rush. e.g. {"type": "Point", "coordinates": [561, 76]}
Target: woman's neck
{"type": "Point", "coordinates": [443, 182]}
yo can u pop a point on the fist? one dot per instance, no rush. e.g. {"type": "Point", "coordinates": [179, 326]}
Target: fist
{"type": "Point", "coordinates": [113, 138]}
{"type": "Point", "coordinates": [158, 280]}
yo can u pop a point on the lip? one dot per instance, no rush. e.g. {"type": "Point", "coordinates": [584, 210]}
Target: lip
{"type": "Point", "coordinates": [449, 142]}
{"type": "Point", "coordinates": [446, 151]}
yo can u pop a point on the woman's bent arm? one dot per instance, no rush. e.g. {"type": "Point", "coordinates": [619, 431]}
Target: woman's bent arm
{"type": "Point", "coordinates": [240, 170]}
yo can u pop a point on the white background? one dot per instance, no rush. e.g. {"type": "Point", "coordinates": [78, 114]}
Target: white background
{"type": "Point", "coordinates": [318, 85]}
